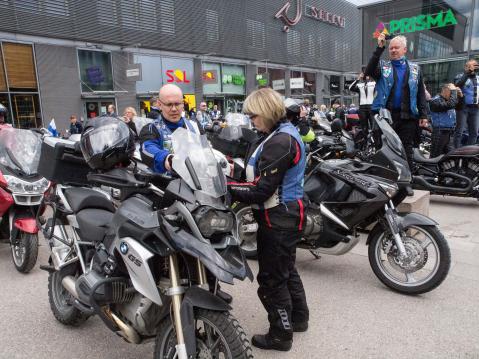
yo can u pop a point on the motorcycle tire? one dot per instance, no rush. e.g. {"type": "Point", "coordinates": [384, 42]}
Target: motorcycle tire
{"type": "Point", "coordinates": [60, 299]}
{"type": "Point", "coordinates": [25, 252]}
{"type": "Point", "coordinates": [225, 333]}
{"type": "Point", "coordinates": [244, 216]}
{"type": "Point", "coordinates": [410, 286]}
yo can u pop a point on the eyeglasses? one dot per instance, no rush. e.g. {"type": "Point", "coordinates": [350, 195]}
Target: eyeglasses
{"type": "Point", "coordinates": [169, 106]}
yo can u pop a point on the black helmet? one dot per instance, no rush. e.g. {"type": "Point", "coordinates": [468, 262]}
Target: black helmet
{"type": "Point", "coordinates": [107, 142]}
{"type": "Point", "coordinates": [293, 108]}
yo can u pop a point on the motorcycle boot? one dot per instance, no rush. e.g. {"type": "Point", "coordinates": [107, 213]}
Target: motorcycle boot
{"type": "Point", "coordinates": [268, 342]}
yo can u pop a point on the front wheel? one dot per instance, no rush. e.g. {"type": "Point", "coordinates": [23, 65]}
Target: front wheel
{"type": "Point", "coordinates": [25, 252]}
{"type": "Point", "coordinates": [425, 266]}
{"type": "Point", "coordinates": [218, 335]}
{"type": "Point", "coordinates": [246, 228]}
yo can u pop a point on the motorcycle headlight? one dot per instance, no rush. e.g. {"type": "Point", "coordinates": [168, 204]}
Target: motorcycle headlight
{"type": "Point", "coordinates": [389, 189]}
{"type": "Point", "coordinates": [211, 221]}
{"type": "Point", "coordinates": [16, 185]}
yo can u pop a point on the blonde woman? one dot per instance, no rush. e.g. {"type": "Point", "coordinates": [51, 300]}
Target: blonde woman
{"type": "Point", "coordinates": [129, 117]}
{"type": "Point", "coordinates": [274, 189]}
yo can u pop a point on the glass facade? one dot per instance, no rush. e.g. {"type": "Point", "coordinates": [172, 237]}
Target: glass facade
{"type": "Point", "coordinates": [95, 70]}
{"type": "Point", "coordinates": [434, 29]}
{"type": "Point", "coordinates": [18, 85]}
{"type": "Point", "coordinates": [309, 89]}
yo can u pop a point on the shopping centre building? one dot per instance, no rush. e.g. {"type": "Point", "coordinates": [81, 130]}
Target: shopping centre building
{"type": "Point", "coordinates": [76, 57]}
{"type": "Point", "coordinates": [441, 35]}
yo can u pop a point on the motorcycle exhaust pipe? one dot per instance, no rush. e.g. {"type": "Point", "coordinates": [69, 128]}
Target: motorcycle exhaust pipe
{"type": "Point", "coordinates": [68, 283]}
{"type": "Point", "coordinates": [126, 331]}
{"type": "Point", "coordinates": [419, 180]}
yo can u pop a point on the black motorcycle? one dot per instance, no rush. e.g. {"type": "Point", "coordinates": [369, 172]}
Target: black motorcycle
{"type": "Point", "coordinates": [149, 268]}
{"type": "Point", "coordinates": [454, 174]}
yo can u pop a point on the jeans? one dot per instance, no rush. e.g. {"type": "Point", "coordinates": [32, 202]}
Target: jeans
{"type": "Point", "coordinates": [468, 116]}
{"type": "Point", "coordinates": [440, 141]}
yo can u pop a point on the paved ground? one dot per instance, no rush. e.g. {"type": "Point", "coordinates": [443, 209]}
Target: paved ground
{"type": "Point", "coordinates": [353, 314]}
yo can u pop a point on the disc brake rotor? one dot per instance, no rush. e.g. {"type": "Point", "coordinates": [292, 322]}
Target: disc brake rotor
{"type": "Point", "coordinates": [416, 256]}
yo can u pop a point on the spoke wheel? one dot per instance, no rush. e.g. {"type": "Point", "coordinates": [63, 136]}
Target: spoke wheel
{"type": "Point", "coordinates": [425, 265]}
{"type": "Point", "coordinates": [218, 336]}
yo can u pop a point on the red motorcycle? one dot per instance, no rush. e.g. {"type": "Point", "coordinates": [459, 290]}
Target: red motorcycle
{"type": "Point", "coordinates": [21, 192]}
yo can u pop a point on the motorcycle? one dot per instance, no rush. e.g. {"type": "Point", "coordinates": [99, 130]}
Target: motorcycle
{"type": "Point", "coordinates": [21, 192]}
{"type": "Point", "coordinates": [142, 267]}
{"type": "Point", "coordinates": [455, 173]}
{"type": "Point", "coordinates": [407, 251]}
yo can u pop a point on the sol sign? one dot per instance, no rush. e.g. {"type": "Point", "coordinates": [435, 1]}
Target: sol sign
{"type": "Point", "coordinates": [176, 76]}
{"type": "Point", "coordinates": [418, 23]}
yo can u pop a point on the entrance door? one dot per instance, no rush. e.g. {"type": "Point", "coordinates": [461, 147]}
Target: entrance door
{"type": "Point", "coordinates": [96, 107]}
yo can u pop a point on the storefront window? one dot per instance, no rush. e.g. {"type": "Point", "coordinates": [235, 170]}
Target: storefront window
{"type": "Point", "coordinates": [18, 85]}
{"type": "Point", "coordinates": [475, 29]}
{"type": "Point", "coordinates": [437, 74]}
{"type": "Point", "coordinates": [433, 28]}
{"type": "Point", "coordinates": [233, 79]}
{"type": "Point", "coordinates": [308, 89]}
{"type": "Point", "coordinates": [211, 78]}
{"type": "Point", "coordinates": [95, 70]}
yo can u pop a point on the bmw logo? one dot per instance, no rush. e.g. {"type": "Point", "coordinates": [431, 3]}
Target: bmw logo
{"type": "Point", "coordinates": [123, 248]}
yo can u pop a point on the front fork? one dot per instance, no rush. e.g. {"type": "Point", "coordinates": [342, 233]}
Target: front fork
{"type": "Point", "coordinates": [391, 215]}
{"type": "Point", "coordinates": [176, 292]}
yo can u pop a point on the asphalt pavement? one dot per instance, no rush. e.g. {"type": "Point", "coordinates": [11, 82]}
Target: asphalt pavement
{"type": "Point", "coordinates": [352, 314]}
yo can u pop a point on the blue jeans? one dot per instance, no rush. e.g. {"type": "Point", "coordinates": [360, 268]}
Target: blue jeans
{"type": "Point", "coordinates": [468, 116]}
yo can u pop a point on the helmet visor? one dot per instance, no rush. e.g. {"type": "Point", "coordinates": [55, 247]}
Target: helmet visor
{"type": "Point", "coordinates": [101, 141]}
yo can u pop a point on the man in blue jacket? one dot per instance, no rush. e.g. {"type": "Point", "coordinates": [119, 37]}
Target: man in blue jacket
{"type": "Point", "coordinates": [443, 117]}
{"type": "Point", "coordinates": [155, 138]}
{"type": "Point", "coordinates": [400, 89]}
{"type": "Point", "coordinates": [468, 81]}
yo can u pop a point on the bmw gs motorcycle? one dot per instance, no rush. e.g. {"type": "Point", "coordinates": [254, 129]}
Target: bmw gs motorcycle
{"type": "Point", "coordinates": [142, 268]}
{"type": "Point", "coordinates": [21, 192]}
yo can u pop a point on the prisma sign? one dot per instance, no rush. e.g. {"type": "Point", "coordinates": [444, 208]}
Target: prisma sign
{"type": "Point", "coordinates": [418, 23]}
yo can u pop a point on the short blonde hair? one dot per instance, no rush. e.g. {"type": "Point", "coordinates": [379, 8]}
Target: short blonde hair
{"type": "Point", "coordinates": [402, 40]}
{"type": "Point", "coordinates": [267, 104]}
{"type": "Point", "coordinates": [130, 109]}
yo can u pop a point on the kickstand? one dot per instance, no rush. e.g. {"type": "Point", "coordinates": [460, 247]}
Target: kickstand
{"type": "Point", "coordinates": [315, 253]}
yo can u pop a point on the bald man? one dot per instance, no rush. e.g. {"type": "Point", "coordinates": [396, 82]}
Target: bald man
{"type": "Point", "coordinates": [155, 137]}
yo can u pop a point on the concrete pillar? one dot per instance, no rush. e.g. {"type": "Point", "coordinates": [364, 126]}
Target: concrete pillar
{"type": "Point", "coordinates": [250, 78]}
{"type": "Point", "coordinates": [341, 87]}
{"type": "Point", "coordinates": [198, 80]}
{"type": "Point", "coordinates": [287, 84]}
{"type": "Point", "coordinates": [319, 88]}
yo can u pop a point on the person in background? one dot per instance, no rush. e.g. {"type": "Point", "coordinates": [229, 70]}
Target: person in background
{"type": "Point", "coordinates": [111, 111]}
{"type": "Point", "coordinates": [468, 116]}
{"type": "Point", "coordinates": [274, 189]}
{"type": "Point", "coordinates": [155, 112]}
{"type": "Point", "coordinates": [129, 117]}
{"type": "Point", "coordinates": [202, 115]}
{"type": "Point", "coordinates": [75, 126]}
{"type": "Point", "coordinates": [443, 118]}
{"type": "Point", "coordinates": [3, 116]}
{"type": "Point", "coordinates": [215, 114]}
{"type": "Point", "coordinates": [364, 86]}
{"type": "Point", "coordinates": [399, 89]}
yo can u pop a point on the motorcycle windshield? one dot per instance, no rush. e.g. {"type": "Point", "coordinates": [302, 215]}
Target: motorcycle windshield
{"type": "Point", "coordinates": [196, 164]}
{"type": "Point", "coordinates": [235, 122]}
{"type": "Point", "coordinates": [391, 135]}
{"type": "Point", "coordinates": [20, 150]}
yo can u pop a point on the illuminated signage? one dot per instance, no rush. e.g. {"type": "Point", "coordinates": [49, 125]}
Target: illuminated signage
{"type": "Point", "coordinates": [210, 77]}
{"type": "Point", "coordinates": [234, 79]}
{"type": "Point", "coordinates": [177, 76]}
{"type": "Point", "coordinates": [417, 23]}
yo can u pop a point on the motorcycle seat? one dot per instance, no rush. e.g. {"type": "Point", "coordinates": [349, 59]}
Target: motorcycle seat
{"type": "Point", "coordinates": [465, 151]}
{"type": "Point", "coordinates": [419, 158]}
{"type": "Point", "coordinates": [81, 198]}
{"type": "Point", "coordinates": [93, 224]}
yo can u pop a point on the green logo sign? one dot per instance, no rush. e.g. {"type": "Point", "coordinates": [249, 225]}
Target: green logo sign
{"type": "Point", "coordinates": [234, 79]}
{"type": "Point", "coordinates": [418, 23]}
{"type": "Point", "coordinates": [262, 79]}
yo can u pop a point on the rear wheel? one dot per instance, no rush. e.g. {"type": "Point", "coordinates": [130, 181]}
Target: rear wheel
{"type": "Point", "coordinates": [61, 300]}
{"type": "Point", "coordinates": [247, 228]}
{"type": "Point", "coordinates": [25, 252]}
{"type": "Point", "coordinates": [218, 335]}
